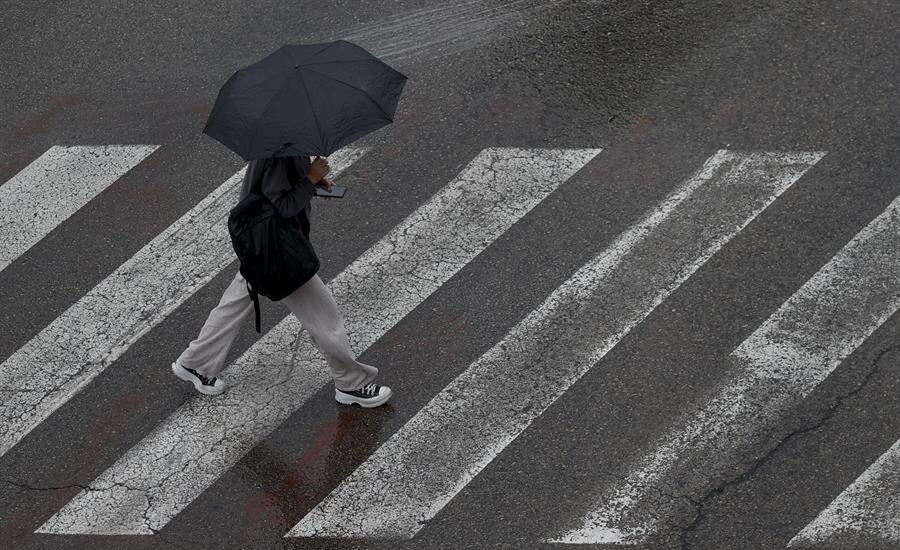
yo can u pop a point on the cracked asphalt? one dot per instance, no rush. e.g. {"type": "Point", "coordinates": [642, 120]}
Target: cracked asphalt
{"type": "Point", "coordinates": [660, 86]}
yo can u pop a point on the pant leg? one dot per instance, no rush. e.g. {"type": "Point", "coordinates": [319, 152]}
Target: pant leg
{"type": "Point", "coordinates": [314, 305]}
{"type": "Point", "coordinates": [206, 354]}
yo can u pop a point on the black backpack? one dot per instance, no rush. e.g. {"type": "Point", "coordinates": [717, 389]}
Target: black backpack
{"type": "Point", "coordinates": [276, 256]}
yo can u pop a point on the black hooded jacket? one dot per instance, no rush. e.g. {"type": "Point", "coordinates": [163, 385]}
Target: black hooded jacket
{"type": "Point", "coordinates": [284, 181]}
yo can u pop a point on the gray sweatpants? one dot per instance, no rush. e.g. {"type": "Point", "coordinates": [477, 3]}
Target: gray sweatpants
{"type": "Point", "coordinates": [313, 305]}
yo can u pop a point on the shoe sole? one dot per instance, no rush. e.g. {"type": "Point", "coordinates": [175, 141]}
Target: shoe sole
{"type": "Point", "coordinates": [180, 372]}
{"type": "Point", "coordinates": [345, 399]}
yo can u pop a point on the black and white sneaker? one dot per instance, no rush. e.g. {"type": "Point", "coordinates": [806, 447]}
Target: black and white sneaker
{"type": "Point", "coordinates": [208, 386]}
{"type": "Point", "coordinates": [370, 395]}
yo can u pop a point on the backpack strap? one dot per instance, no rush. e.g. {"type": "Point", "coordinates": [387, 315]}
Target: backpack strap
{"type": "Point", "coordinates": [254, 295]}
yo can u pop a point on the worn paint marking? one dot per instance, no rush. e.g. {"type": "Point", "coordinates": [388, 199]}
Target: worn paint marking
{"type": "Point", "coordinates": [56, 185]}
{"type": "Point", "coordinates": [866, 514]}
{"type": "Point", "coordinates": [778, 366]}
{"type": "Point", "coordinates": [435, 455]}
{"type": "Point", "coordinates": [95, 331]}
{"type": "Point", "coordinates": [174, 464]}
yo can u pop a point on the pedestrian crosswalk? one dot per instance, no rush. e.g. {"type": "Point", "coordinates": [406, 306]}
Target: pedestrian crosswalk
{"type": "Point", "coordinates": [54, 187]}
{"type": "Point", "coordinates": [95, 331]}
{"type": "Point", "coordinates": [201, 440]}
{"type": "Point", "coordinates": [470, 422]}
{"type": "Point", "coordinates": [866, 514]}
{"type": "Point", "coordinates": [772, 370]}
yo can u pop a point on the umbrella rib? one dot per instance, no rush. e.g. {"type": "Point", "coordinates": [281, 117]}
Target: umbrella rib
{"type": "Point", "coordinates": [352, 86]}
{"type": "Point", "coordinates": [328, 46]}
{"type": "Point", "coordinates": [309, 101]}
{"type": "Point", "coordinates": [372, 59]}
{"type": "Point", "coordinates": [262, 116]}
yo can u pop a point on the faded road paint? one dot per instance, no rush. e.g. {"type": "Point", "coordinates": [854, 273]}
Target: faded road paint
{"type": "Point", "coordinates": [55, 186]}
{"type": "Point", "coordinates": [205, 437]}
{"type": "Point", "coordinates": [453, 27]}
{"type": "Point", "coordinates": [778, 366]}
{"type": "Point", "coordinates": [456, 435]}
{"type": "Point", "coordinates": [866, 514]}
{"type": "Point", "coordinates": [95, 331]}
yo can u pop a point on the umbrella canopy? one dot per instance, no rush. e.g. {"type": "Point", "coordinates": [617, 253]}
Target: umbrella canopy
{"type": "Point", "coordinates": [309, 99]}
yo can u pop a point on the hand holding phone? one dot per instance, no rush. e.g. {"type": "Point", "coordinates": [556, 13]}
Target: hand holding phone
{"type": "Point", "coordinates": [328, 189]}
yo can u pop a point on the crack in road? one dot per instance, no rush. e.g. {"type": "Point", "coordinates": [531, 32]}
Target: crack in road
{"type": "Point", "coordinates": [700, 503]}
{"type": "Point", "coordinates": [28, 487]}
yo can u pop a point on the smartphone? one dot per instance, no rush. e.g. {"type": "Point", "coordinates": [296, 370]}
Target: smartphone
{"type": "Point", "coordinates": [338, 192]}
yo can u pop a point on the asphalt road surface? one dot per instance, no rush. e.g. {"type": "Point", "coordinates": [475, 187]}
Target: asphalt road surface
{"type": "Point", "coordinates": [630, 268]}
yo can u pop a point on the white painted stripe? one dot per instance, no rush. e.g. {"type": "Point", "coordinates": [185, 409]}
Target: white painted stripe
{"type": "Point", "coordinates": [424, 465]}
{"type": "Point", "coordinates": [774, 369]}
{"type": "Point", "coordinates": [95, 331]}
{"type": "Point", "coordinates": [174, 464]}
{"type": "Point", "coordinates": [866, 514]}
{"type": "Point", "coordinates": [53, 187]}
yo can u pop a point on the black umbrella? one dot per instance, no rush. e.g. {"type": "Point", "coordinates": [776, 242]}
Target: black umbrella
{"type": "Point", "coordinates": [307, 99]}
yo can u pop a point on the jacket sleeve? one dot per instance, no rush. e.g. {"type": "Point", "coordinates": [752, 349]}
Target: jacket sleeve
{"type": "Point", "coordinates": [289, 199]}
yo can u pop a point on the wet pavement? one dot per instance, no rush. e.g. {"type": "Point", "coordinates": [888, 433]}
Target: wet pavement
{"type": "Point", "coordinates": [659, 86]}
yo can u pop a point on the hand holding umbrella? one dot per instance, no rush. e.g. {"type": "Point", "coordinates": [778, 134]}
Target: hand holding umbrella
{"type": "Point", "coordinates": [317, 171]}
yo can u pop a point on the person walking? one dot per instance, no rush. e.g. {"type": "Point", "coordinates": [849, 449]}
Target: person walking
{"type": "Point", "coordinates": [289, 183]}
